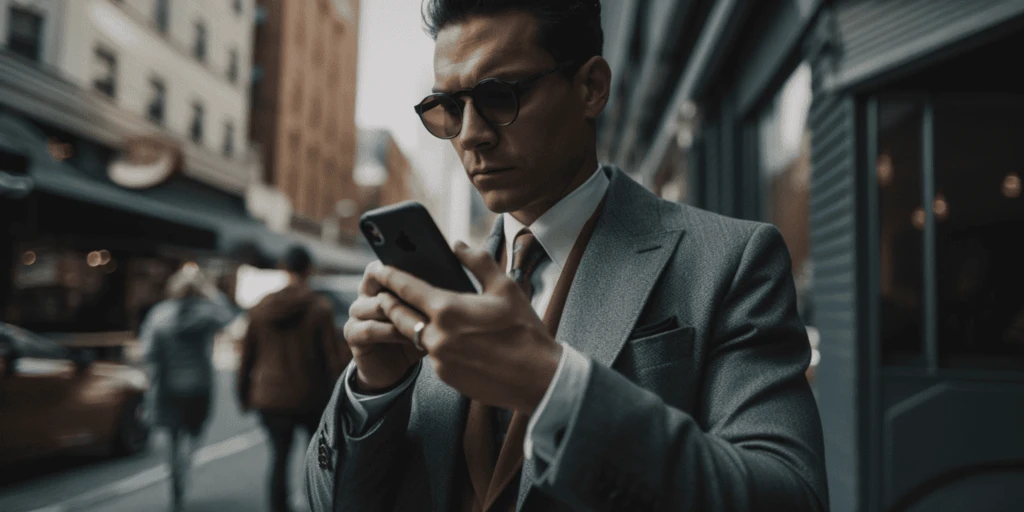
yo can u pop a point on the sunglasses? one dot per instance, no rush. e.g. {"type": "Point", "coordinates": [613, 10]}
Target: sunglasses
{"type": "Point", "coordinates": [496, 100]}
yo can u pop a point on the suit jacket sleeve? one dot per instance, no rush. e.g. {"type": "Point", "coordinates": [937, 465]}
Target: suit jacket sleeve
{"type": "Point", "coordinates": [755, 444]}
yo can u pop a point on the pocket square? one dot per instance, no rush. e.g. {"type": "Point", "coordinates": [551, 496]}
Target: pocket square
{"type": "Point", "coordinates": [657, 327]}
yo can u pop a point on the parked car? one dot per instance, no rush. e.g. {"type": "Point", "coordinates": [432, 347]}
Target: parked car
{"type": "Point", "coordinates": [56, 400]}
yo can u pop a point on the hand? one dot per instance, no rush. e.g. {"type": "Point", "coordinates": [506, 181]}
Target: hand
{"type": "Point", "coordinates": [382, 354]}
{"type": "Point", "coordinates": [491, 346]}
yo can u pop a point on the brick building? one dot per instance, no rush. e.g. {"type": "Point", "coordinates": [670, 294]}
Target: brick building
{"type": "Point", "coordinates": [303, 110]}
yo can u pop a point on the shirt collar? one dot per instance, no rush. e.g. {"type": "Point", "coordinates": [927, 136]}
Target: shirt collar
{"type": "Point", "coordinates": [559, 227]}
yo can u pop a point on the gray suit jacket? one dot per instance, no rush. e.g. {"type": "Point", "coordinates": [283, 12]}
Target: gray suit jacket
{"type": "Point", "coordinates": [697, 400]}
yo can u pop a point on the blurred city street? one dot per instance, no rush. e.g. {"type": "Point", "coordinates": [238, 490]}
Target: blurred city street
{"type": "Point", "coordinates": [170, 169]}
{"type": "Point", "coordinates": [230, 469]}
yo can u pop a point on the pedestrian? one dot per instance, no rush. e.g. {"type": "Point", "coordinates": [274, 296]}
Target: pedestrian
{"type": "Point", "coordinates": [290, 359]}
{"type": "Point", "coordinates": [177, 338]}
{"type": "Point", "coordinates": [625, 352]}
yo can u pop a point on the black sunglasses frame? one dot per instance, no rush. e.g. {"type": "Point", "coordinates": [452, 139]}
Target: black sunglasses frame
{"type": "Point", "coordinates": [518, 88]}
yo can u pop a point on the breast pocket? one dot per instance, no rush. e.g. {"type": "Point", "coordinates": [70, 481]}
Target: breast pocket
{"type": "Point", "coordinates": [661, 363]}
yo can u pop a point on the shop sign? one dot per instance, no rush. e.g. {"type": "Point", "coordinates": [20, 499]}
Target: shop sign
{"type": "Point", "coordinates": [145, 162]}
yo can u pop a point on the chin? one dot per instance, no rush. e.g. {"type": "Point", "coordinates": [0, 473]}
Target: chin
{"type": "Point", "coordinates": [504, 201]}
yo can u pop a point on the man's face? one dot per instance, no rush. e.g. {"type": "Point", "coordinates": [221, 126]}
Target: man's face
{"type": "Point", "coordinates": [533, 160]}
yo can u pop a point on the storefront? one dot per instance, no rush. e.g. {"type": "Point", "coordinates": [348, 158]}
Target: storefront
{"type": "Point", "coordinates": [884, 140]}
{"type": "Point", "coordinates": [88, 257]}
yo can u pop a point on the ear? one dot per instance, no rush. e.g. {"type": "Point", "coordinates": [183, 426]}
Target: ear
{"type": "Point", "coordinates": [595, 83]}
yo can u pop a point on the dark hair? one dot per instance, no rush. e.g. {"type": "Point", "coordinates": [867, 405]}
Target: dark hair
{"type": "Point", "coordinates": [569, 30]}
{"type": "Point", "coordinates": [297, 260]}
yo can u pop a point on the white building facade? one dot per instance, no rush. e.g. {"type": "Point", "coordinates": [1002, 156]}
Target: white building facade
{"type": "Point", "coordinates": [177, 69]}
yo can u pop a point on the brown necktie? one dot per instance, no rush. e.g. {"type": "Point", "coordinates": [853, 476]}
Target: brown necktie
{"type": "Point", "coordinates": [485, 442]}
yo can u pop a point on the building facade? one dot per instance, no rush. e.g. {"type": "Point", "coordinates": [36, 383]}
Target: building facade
{"type": "Point", "coordinates": [882, 138]}
{"type": "Point", "coordinates": [305, 65]}
{"type": "Point", "coordinates": [124, 154]}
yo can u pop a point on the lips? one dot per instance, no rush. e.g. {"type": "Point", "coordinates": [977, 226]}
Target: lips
{"type": "Point", "coordinates": [488, 170]}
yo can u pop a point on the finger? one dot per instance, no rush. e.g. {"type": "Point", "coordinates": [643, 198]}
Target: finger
{"type": "Point", "coordinates": [363, 333]}
{"type": "Point", "coordinates": [370, 286]}
{"type": "Point", "coordinates": [481, 264]}
{"type": "Point", "coordinates": [367, 308]}
{"type": "Point", "coordinates": [404, 318]}
{"type": "Point", "coordinates": [413, 291]}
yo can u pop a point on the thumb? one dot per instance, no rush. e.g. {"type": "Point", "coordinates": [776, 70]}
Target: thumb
{"type": "Point", "coordinates": [480, 263]}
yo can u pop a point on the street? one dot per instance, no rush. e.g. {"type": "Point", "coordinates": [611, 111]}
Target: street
{"type": "Point", "coordinates": [230, 470]}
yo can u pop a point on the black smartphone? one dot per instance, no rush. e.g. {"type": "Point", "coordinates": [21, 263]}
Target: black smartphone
{"type": "Point", "coordinates": [404, 236]}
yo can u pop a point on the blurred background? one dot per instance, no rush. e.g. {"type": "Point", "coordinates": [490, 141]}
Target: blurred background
{"type": "Point", "coordinates": [883, 137]}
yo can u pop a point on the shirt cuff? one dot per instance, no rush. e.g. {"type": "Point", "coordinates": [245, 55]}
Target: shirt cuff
{"type": "Point", "coordinates": [549, 421]}
{"type": "Point", "coordinates": [365, 410]}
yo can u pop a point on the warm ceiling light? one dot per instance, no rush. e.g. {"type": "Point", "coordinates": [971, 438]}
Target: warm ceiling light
{"type": "Point", "coordinates": [94, 259]}
{"type": "Point", "coordinates": [28, 258]}
{"type": "Point", "coordinates": [1012, 185]}
{"type": "Point", "coordinates": [104, 257]}
{"type": "Point", "coordinates": [885, 171]}
{"type": "Point", "coordinates": [941, 207]}
{"type": "Point", "coordinates": [917, 218]}
{"type": "Point", "coordinates": [60, 151]}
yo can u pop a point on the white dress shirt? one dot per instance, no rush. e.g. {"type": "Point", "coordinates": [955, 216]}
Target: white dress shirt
{"type": "Point", "coordinates": [557, 231]}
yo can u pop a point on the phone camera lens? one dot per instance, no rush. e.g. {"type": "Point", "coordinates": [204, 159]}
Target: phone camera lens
{"type": "Point", "coordinates": [373, 233]}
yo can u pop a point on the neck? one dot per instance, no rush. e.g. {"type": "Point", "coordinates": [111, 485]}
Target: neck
{"type": "Point", "coordinates": [297, 280]}
{"type": "Point", "coordinates": [531, 212]}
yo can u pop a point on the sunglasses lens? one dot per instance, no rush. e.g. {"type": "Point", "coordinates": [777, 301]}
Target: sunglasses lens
{"type": "Point", "coordinates": [496, 101]}
{"type": "Point", "coordinates": [441, 116]}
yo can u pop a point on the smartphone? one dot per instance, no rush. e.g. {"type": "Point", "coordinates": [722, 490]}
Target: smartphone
{"type": "Point", "coordinates": [404, 236]}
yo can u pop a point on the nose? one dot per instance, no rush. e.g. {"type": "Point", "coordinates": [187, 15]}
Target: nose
{"type": "Point", "coordinates": [476, 132]}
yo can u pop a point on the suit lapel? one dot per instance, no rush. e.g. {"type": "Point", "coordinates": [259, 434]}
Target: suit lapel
{"type": "Point", "coordinates": [439, 415]}
{"type": "Point", "coordinates": [624, 259]}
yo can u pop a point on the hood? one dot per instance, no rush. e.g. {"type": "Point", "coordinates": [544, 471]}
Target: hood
{"type": "Point", "coordinates": [286, 308]}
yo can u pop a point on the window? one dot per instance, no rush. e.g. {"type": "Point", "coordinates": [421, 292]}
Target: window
{"type": "Point", "coordinates": [199, 50]}
{"type": "Point", "coordinates": [158, 93]}
{"type": "Point", "coordinates": [978, 217]}
{"type": "Point", "coordinates": [900, 185]}
{"type": "Point", "coordinates": [105, 72]}
{"type": "Point", "coordinates": [25, 32]}
{"type": "Point", "coordinates": [785, 168]}
{"type": "Point", "coordinates": [233, 65]}
{"type": "Point", "coordinates": [949, 175]}
{"type": "Point", "coordinates": [229, 139]}
{"type": "Point", "coordinates": [197, 123]}
{"type": "Point", "coordinates": [162, 15]}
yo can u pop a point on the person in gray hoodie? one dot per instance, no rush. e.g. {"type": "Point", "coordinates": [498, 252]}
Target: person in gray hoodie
{"type": "Point", "coordinates": [177, 338]}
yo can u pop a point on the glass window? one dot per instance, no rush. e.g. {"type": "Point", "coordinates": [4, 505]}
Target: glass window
{"type": "Point", "coordinates": [979, 220]}
{"type": "Point", "coordinates": [233, 65]}
{"type": "Point", "coordinates": [158, 93]}
{"type": "Point", "coordinates": [24, 32]}
{"type": "Point", "coordinates": [229, 139]}
{"type": "Point", "coordinates": [197, 123]}
{"type": "Point", "coordinates": [901, 225]}
{"type": "Point", "coordinates": [161, 14]}
{"type": "Point", "coordinates": [785, 167]}
{"type": "Point", "coordinates": [105, 72]}
{"type": "Point", "coordinates": [199, 49]}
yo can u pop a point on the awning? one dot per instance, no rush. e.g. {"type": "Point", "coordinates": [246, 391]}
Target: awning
{"type": "Point", "coordinates": [180, 200]}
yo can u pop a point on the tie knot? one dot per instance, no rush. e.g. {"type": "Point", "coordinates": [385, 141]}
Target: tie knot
{"type": "Point", "coordinates": [527, 253]}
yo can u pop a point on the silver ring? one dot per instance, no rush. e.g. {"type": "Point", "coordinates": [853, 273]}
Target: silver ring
{"type": "Point", "coordinates": [417, 334]}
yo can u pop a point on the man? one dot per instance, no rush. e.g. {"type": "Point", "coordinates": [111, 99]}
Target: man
{"type": "Point", "coordinates": [290, 359]}
{"type": "Point", "coordinates": [638, 355]}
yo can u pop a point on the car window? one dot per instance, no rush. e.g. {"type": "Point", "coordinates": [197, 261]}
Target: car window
{"type": "Point", "coordinates": [27, 344]}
